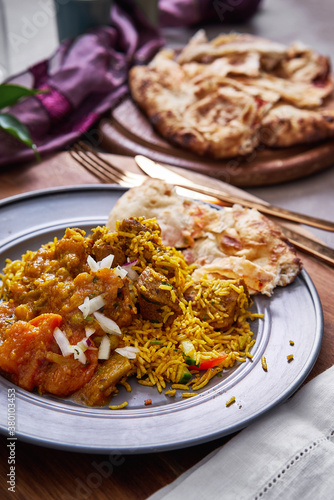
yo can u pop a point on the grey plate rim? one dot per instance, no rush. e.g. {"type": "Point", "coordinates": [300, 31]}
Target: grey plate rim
{"type": "Point", "coordinates": [141, 447]}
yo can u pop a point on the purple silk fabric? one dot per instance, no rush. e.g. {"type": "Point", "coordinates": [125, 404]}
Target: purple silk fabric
{"type": "Point", "coordinates": [191, 12]}
{"type": "Point", "coordinates": [88, 75]}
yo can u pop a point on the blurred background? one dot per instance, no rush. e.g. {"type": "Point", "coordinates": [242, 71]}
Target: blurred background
{"type": "Point", "coordinates": [32, 27]}
{"type": "Point", "coordinates": [32, 36]}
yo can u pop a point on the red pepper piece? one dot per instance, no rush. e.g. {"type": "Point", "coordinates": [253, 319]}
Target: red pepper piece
{"type": "Point", "coordinates": [208, 363]}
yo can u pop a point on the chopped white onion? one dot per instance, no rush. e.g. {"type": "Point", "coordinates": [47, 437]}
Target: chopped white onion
{"type": "Point", "coordinates": [90, 345]}
{"type": "Point", "coordinates": [89, 306]}
{"type": "Point", "coordinates": [62, 341]}
{"type": "Point", "coordinates": [89, 331]}
{"type": "Point", "coordinates": [119, 271]}
{"type": "Point", "coordinates": [84, 306]}
{"type": "Point", "coordinates": [84, 344]}
{"type": "Point", "coordinates": [106, 262]}
{"type": "Point", "coordinates": [92, 264]}
{"type": "Point", "coordinates": [128, 351]}
{"type": "Point", "coordinates": [104, 349]}
{"type": "Point", "coordinates": [79, 354]}
{"type": "Point", "coordinates": [102, 264]}
{"type": "Point", "coordinates": [107, 324]}
{"type": "Point", "coordinates": [132, 274]}
{"type": "Point", "coordinates": [67, 348]}
{"type": "Point", "coordinates": [130, 262]}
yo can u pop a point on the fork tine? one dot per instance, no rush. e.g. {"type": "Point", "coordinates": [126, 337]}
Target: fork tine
{"type": "Point", "coordinates": [92, 166]}
{"type": "Point", "coordinates": [96, 163]}
{"type": "Point", "coordinates": [109, 167]}
{"type": "Point", "coordinates": [100, 168]}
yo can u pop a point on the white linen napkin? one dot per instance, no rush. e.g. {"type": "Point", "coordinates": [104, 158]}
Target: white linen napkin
{"type": "Point", "coordinates": [286, 454]}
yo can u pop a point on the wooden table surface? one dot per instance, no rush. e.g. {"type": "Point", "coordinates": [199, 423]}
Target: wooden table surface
{"type": "Point", "coordinates": [43, 473]}
{"type": "Point", "coordinates": [49, 474]}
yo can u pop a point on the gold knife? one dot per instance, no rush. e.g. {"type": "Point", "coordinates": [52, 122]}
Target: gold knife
{"type": "Point", "coordinates": [312, 247]}
{"type": "Point", "coordinates": [159, 171]}
{"type": "Point", "coordinates": [303, 243]}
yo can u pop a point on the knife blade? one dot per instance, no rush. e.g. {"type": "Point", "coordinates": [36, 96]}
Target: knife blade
{"type": "Point", "coordinates": [312, 247]}
{"type": "Point", "coordinates": [159, 171]}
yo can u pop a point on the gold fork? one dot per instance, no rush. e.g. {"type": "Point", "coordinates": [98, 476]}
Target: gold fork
{"type": "Point", "coordinates": [106, 172]}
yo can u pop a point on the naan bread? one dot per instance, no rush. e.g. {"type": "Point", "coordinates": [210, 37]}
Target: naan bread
{"type": "Point", "coordinates": [233, 242]}
{"type": "Point", "coordinates": [286, 125]}
{"type": "Point", "coordinates": [214, 97]}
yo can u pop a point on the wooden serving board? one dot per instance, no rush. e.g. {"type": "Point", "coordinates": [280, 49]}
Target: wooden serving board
{"type": "Point", "coordinates": [128, 132]}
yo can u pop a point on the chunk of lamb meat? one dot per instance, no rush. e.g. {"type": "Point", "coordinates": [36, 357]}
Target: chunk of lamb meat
{"type": "Point", "coordinates": [154, 301]}
{"type": "Point", "coordinates": [101, 250]}
{"type": "Point", "coordinates": [132, 225]}
{"type": "Point", "coordinates": [224, 309]}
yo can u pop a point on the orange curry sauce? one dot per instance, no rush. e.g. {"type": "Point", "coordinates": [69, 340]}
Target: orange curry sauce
{"type": "Point", "coordinates": [54, 281]}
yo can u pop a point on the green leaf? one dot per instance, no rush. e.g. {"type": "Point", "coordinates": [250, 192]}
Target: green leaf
{"type": "Point", "coordinates": [10, 94]}
{"type": "Point", "coordinates": [13, 126]}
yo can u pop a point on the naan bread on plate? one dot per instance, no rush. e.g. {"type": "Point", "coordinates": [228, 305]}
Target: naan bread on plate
{"type": "Point", "coordinates": [232, 242]}
{"type": "Point", "coordinates": [214, 97]}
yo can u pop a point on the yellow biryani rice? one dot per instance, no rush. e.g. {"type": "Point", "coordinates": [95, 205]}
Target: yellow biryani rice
{"type": "Point", "coordinates": [160, 360]}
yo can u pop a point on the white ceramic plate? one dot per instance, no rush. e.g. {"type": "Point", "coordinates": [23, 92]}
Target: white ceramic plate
{"type": "Point", "coordinates": [293, 313]}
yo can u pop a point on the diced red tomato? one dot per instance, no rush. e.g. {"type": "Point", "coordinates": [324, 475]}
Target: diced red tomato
{"type": "Point", "coordinates": [208, 363]}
